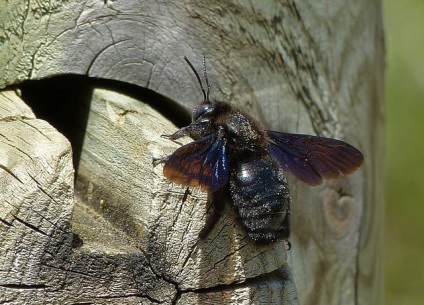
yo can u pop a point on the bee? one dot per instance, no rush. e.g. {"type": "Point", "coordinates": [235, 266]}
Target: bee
{"type": "Point", "coordinates": [235, 159]}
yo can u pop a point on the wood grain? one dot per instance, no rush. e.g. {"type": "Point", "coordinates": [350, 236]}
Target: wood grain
{"type": "Point", "coordinates": [298, 66]}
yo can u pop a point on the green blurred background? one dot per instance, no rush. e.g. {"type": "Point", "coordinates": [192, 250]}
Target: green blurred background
{"type": "Point", "coordinates": [404, 219]}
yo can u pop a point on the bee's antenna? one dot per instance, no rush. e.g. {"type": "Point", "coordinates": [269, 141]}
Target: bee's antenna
{"type": "Point", "coordinates": [205, 96]}
{"type": "Point", "coordinates": [206, 77]}
{"type": "Point", "coordinates": [205, 93]}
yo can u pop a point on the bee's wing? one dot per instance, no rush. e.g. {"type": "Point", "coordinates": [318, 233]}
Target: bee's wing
{"type": "Point", "coordinates": [201, 163]}
{"type": "Point", "coordinates": [311, 158]}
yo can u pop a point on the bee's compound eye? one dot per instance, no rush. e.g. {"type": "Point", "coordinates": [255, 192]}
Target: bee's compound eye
{"type": "Point", "coordinates": [203, 111]}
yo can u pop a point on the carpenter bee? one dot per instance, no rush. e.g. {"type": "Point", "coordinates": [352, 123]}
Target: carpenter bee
{"type": "Point", "coordinates": [234, 158]}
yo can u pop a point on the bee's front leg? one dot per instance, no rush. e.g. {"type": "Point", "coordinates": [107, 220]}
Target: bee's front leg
{"type": "Point", "coordinates": [185, 131]}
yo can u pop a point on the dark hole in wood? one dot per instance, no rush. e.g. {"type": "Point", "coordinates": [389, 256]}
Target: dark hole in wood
{"type": "Point", "coordinates": [64, 101]}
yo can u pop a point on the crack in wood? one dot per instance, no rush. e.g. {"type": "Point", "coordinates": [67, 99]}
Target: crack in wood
{"type": "Point", "coordinates": [10, 173]}
{"type": "Point", "coordinates": [6, 222]}
{"type": "Point", "coordinates": [37, 130]}
{"type": "Point", "coordinates": [225, 257]}
{"type": "Point", "coordinates": [32, 227]}
{"type": "Point", "coordinates": [25, 286]}
{"type": "Point", "coordinates": [132, 295]}
{"type": "Point", "coordinates": [74, 271]}
{"type": "Point", "coordinates": [280, 275]}
{"type": "Point", "coordinates": [41, 189]}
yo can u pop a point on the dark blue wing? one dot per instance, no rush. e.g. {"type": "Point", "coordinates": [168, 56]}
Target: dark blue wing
{"type": "Point", "coordinates": [311, 158]}
{"type": "Point", "coordinates": [201, 163]}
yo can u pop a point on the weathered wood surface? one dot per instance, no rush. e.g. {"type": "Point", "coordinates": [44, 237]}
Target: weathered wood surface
{"type": "Point", "coordinates": [131, 240]}
{"type": "Point", "coordinates": [303, 66]}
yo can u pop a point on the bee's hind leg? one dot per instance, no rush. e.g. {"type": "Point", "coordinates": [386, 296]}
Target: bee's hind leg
{"type": "Point", "coordinates": [215, 210]}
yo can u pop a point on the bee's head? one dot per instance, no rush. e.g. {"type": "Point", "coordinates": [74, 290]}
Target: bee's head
{"type": "Point", "coordinates": [204, 112]}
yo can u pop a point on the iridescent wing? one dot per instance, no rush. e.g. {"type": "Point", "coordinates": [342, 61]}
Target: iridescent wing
{"type": "Point", "coordinates": [311, 158]}
{"type": "Point", "coordinates": [201, 163]}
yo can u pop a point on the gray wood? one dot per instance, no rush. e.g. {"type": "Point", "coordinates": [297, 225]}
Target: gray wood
{"type": "Point", "coordinates": [165, 219]}
{"type": "Point", "coordinates": [130, 241]}
{"type": "Point", "coordinates": [304, 66]}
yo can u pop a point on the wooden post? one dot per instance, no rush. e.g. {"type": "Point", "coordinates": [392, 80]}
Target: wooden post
{"type": "Point", "coordinates": [124, 234]}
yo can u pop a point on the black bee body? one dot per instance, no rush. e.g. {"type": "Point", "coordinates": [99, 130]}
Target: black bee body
{"type": "Point", "coordinates": [257, 186]}
{"type": "Point", "coordinates": [259, 191]}
{"type": "Point", "coordinates": [233, 157]}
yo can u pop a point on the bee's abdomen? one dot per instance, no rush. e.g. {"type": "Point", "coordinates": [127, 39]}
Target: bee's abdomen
{"type": "Point", "coordinates": [260, 194]}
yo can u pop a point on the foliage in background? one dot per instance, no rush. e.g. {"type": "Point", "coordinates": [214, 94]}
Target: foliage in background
{"type": "Point", "coordinates": [404, 219]}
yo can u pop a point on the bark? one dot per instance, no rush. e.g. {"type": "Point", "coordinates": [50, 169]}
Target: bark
{"type": "Point", "coordinates": [124, 234]}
